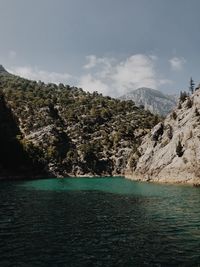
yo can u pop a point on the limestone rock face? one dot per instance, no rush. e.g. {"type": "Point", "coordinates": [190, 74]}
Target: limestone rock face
{"type": "Point", "coordinates": [152, 100]}
{"type": "Point", "coordinates": [171, 152]}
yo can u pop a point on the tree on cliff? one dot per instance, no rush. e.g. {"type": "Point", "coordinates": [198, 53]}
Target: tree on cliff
{"type": "Point", "coordinates": [179, 149]}
{"type": "Point", "coordinates": [191, 87]}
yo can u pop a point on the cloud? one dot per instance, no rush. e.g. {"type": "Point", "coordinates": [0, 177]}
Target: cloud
{"type": "Point", "coordinates": [106, 75]}
{"type": "Point", "coordinates": [177, 63]}
{"type": "Point", "coordinates": [137, 71]}
{"type": "Point", "coordinates": [94, 61]}
{"type": "Point", "coordinates": [89, 83]}
{"type": "Point", "coordinates": [37, 74]}
{"type": "Point", "coordinates": [112, 77]}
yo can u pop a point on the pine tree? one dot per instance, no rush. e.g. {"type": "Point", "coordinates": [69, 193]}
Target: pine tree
{"type": "Point", "coordinates": [179, 149]}
{"type": "Point", "coordinates": [191, 87]}
{"type": "Point", "coordinates": [183, 96]}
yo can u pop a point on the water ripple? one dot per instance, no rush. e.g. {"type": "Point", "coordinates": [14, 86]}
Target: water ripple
{"type": "Point", "coordinates": [88, 224]}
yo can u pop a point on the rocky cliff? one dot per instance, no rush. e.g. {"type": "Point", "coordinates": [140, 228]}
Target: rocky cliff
{"type": "Point", "coordinates": [151, 99]}
{"type": "Point", "coordinates": [171, 151]}
{"type": "Point", "coordinates": [67, 131]}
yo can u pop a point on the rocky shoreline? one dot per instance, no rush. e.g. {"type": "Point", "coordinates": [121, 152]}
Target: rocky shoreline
{"type": "Point", "coordinates": [171, 181]}
{"type": "Point", "coordinates": [133, 177]}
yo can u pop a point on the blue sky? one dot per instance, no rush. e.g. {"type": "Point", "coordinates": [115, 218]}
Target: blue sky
{"type": "Point", "coordinates": [112, 46]}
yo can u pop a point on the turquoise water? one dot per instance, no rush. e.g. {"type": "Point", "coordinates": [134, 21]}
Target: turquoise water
{"type": "Point", "coordinates": [116, 185]}
{"type": "Point", "coordinates": [98, 222]}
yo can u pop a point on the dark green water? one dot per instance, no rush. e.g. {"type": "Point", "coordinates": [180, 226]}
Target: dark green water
{"type": "Point", "coordinates": [98, 222]}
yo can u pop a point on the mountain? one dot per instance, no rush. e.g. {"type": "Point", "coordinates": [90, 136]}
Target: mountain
{"type": "Point", "coordinates": [171, 151]}
{"type": "Point", "coordinates": [58, 130]}
{"type": "Point", "coordinates": [152, 100]}
{"type": "Point", "coordinates": [3, 70]}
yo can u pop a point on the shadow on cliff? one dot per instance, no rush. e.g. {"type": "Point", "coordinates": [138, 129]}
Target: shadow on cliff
{"type": "Point", "coordinates": [14, 160]}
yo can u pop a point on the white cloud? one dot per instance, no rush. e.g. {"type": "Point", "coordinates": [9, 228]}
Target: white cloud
{"type": "Point", "coordinates": [105, 75]}
{"type": "Point", "coordinates": [136, 71]}
{"type": "Point", "coordinates": [37, 74]}
{"type": "Point", "coordinates": [153, 57]}
{"type": "Point", "coordinates": [110, 77]}
{"type": "Point", "coordinates": [92, 61]}
{"type": "Point", "coordinates": [89, 83]}
{"type": "Point", "coordinates": [177, 63]}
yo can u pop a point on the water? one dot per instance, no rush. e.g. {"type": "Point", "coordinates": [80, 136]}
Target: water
{"type": "Point", "coordinates": [98, 222]}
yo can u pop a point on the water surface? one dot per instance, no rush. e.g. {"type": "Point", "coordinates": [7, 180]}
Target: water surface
{"type": "Point", "coordinates": [98, 222]}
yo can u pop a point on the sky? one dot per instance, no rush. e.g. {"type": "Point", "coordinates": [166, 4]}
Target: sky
{"type": "Point", "coordinates": [109, 46]}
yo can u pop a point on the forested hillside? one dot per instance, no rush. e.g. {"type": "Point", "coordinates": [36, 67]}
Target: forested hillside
{"type": "Point", "coordinates": [62, 130]}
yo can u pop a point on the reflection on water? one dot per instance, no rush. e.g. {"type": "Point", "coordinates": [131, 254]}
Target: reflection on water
{"type": "Point", "coordinates": [98, 222]}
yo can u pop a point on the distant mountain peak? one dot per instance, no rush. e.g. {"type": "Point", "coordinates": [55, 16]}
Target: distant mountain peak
{"type": "Point", "coordinates": [2, 69]}
{"type": "Point", "coordinates": [152, 99]}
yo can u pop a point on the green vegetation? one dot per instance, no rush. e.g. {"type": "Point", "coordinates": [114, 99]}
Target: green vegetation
{"type": "Point", "coordinates": [192, 85]}
{"type": "Point", "coordinates": [189, 103]}
{"type": "Point", "coordinates": [179, 149]}
{"type": "Point", "coordinates": [71, 131]}
{"type": "Point", "coordinates": [183, 96]}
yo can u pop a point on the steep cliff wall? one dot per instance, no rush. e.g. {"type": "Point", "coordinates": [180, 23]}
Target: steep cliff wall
{"type": "Point", "coordinates": [171, 151]}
